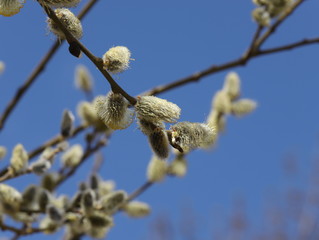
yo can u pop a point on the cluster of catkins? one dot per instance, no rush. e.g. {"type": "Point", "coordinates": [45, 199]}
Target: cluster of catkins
{"type": "Point", "coordinates": [89, 211]}
{"type": "Point", "coordinates": [268, 9]}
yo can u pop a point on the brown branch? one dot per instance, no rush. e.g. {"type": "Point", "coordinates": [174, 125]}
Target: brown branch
{"type": "Point", "coordinates": [98, 62]}
{"type": "Point", "coordinates": [23, 231]}
{"type": "Point", "coordinates": [36, 72]}
{"type": "Point", "coordinates": [139, 191]}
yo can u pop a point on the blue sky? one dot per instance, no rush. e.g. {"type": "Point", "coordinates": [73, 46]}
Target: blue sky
{"type": "Point", "coordinates": [170, 40]}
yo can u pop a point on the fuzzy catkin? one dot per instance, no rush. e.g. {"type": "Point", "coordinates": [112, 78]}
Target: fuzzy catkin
{"type": "Point", "coordinates": [112, 201]}
{"type": "Point", "coordinates": [72, 156]}
{"type": "Point", "coordinates": [159, 143]}
{"type": "Point", "coordinates": [67, 123]}
{"type": "Point", "coordinates": [232, 85]}
{"type": "Point", "coordinates": [117, 59]}
{"type": "Point", "coordinates": [156, 169]}
{"type": "Point", "coordinates": [222, 102]}
{"type": "Point", "coordinates": [10, 198]}
{"type": "Point", "coordinates": [178, 167]}
{"type": "Point", "coordinates": [113, 111]}
{"type": "Point", "coordinates": [3, 152]}
{"type": "Point", "coordinates": [69, 20]}
{"type": "Point", "coordinates": [9, 8]}
{"type": "Point", "coordinates": [243, 107]}
{"type": "Point", "coordinates": [19, 158]}
{"type": "Point", "coordinates": [148, 127]}
{"type": "Point", "coordinates": [190, 135]}
{"type": "Point", "coordinates": [137, 209]}
{"type": "Point", "coordinates": [155, 109]}
{"type": "Point", "coordinates": [83, 78]}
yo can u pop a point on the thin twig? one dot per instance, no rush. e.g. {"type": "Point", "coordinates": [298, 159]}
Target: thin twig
{"type": "Point", "coordinates": [36, 72]}
{"type": "Point", "coordinates": [139, 191]}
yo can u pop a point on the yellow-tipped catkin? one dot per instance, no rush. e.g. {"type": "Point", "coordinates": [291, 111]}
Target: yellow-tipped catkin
{"type": "Point", "coordinates": [72, 156]}
{"type": "Point", "coordinates": [3, 152]}
{"type": "Point", "coordinates": [62, 3]}
{"type": "Point", "coordinates": [83, 78]}
{"type": "Point", "coordinates": [19, 159]}
{"type": "Point", "coordinates": [243, 107]}
{"type": "Point", "coordinates": [10, 199]}
{"type": "Point", "coordinates": [137, 209]}
{"type": "Point", "coordinates": [113, 111]}
{"type": "Point", "coordinates": [190, 135]}
{"type": "Point", "coordinates": [155, 109]}
{"type": "Point", "coordinates": [222, 102]}
{"type": "Point", "coordinates": [69, 20]}
{"type": "Point", "coordinates": [117, 59]}
{"type": "Point", "coordinates": [232, 85]}
{"type": "Point", "coordinates": [156, 170]}
{"type": "Point", "coordinates": [9, 8]}
{"type": "Point", "coordinates": [178, 167]}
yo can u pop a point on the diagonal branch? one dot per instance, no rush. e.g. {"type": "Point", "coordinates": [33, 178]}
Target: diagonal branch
{"type": "Point", "coordinates": [36, 72]}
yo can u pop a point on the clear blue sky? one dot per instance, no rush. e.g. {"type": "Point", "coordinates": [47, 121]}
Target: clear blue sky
{"type": "Point", "coordinates": [170, 40]}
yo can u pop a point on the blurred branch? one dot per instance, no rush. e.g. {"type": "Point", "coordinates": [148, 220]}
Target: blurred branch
{"type": "Point", "coordinates": [98, 62]}
{"type": "Point", "coordinates": [23, 231]}
{"type": "Point", "coordinates": [38, 69]}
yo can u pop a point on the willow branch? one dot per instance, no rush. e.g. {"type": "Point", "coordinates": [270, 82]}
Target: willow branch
{"type": "Point", "coordinates": [36, 72]}
{"type": "Point", "coordinates": [98, 62]}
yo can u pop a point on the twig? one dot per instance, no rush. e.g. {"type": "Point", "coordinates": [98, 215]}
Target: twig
{"type": "Point", "coordinates": [139, 191]}
{"type": "Point", "coordinates": [36, 72]}
{"type": "Point", "coordinates": [23, 231]}
{"type": "Point", "coordinates": [98, 62]}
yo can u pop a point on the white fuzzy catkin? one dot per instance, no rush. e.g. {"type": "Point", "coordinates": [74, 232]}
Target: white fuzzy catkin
{"type": "Point", "coordinates": [3, 152]}
{"type": "Point", "coordinates": [178, 167]}
{"type": "Point", "coordinates": [117, 59]}
{"type": "Point", "coordinates": [105, 187]}
{"type": "Point", "coordinates": [221, 102]}
{"type": "Point", "coordinates": [190, 135]}
{"type": "Point", "coordinates": [72, 156]}
{"type": "Point", "coordinates": [62, 3]}
{"type": "Point", "coordinates": [148, 127]}
{"type": "Point", "coordinates": [19, 158]}
{"type": "Point", "coordinates": [69, 20]}
{"type": "Point", "coordinates": [243, 107]}
{"type": "Point", "coordinates": [112, 201]}
{"type": "Point", "coordinates": [88, 115]}
{"type": "Point", "coordinates": [83, 78]}
{"type": "Point", "coordinates": [113, 111]}
{"type": "Point", "coordinates": [10, 199]}
{"type": "Point", "coordinates": [137, 209]}
{"type": "Point", "coordinates": [232, 85]}
{"type": "Point", "coordinates": [261, 16]}
{"type": "Point", "coordinates": [156, 169]}
{"type": "Point", "coordinates": [67, 123]}
{"type": "Point", "coordinates": [155, 109]}
{"type": "Point", "coordinates": [9, 8]}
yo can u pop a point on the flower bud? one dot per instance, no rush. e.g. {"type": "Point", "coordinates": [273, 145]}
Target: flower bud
{"type": "Point", "coordinates": [232, 85]}
{"type": "Point", "coordinates": [105, 187]}
{"type": "Point", "coordinates": [72, 157]}
{"type": "Point", "coordinates": [69, 20]}
{"type": "Point", "coordinates": [156, 170]}
{"type": "Point", "coordinates": [117, 59]}
{"type": "Point", "coordinates": [193, 135]}
{"type": "Point", "coordinates": [155, 109]}
{"type": "Point", "coordinates": [19, 159]}
{"type": "Point", "coordinates": [243, 107]}
{"type": "Point", "coordinates": [137, 209]}
{"type": "Point", "coordinates": [221, 102]}
{"type": "Point", "coordinates": [62, 3]}
{"type": "Point", "coordinates": [9, 8]}
{"type": "Point", "coordinates": [159, 143]}
{"type": "Point", "coordinates": [178, 167]}
{"type": "Point", "coordinates": [3, 152]}
{"type": "Point", "coordinates": [49, 181]}
{"type": "Point", "coordinates": [10, 199]}
{"type": "Point", "coordinates": [83, 78]}
{"type": "Point", "coordinates": [88, 199]}
{"type": "Point", "coordinates": [148, 127]}
{"type": "Point", "coordinates": [111, 202]}
{"type": "Point", "coordinates": [113, 111]}
{"type": "Point", "coordinates": [67, 123]}
{"type": "Point", "coordinates": [100, 220]}
{"type": "Point", "coordinates": [261, 16]}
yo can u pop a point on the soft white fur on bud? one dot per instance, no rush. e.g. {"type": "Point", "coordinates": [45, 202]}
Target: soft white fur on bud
{"type": "Point", "coordinates": [148, 127]}
{"type": "Point", "coordinates": [9, 8]}
{"type": "Point", "coordinates": [2, 67]}
{"type": "Point", "coordinates": [113, 111]}
{"type": "Point", "coordinates": [155, 109]}
{"type": "Point", "coordinates": [178, 167]}
{"type": "Point", "coordinates": [83, 78]}
{"type": "Point", "coordinates": [222, 102]}
{"type": "Point", "coordinates": [190, 135]}
{"type": "Point", "coordinates": [62, 3]}
{"type": "Point", "coordinates": [3, 152]}
{"type": "Point", "coordinates": [10, 199]}
{"type": "Point", "coordinates": [117, 59]}
{"type": "Point", "coordinates": [106, 187]}
{"type": "Point", "coordinates": [19, 158]}
{"type": "Point", "coordinates": [69, 20]}
{"type": "Point", "coordinates": [67, 123]}
{"type": "Point", "coordinates": [243, 107]}
{"type": "Point", "coordinates": [216, 120]}
{"type": "Point", "coordinates": [261, 16]}
{"type": "Point", "coordinates": [156, 170]}
{"type": "Point", "coordinates": [111, 202]}
{"type": "Point", "coordinates": [137, 209]}
{"type": "Point", "coordinates": [72, 156]}
{"type": "Point", "coordinates": [232, 85]}
{"type": "Point", "coordinates": [41, 166]}
{"type": "Point", "coordinates": [98, 232]}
